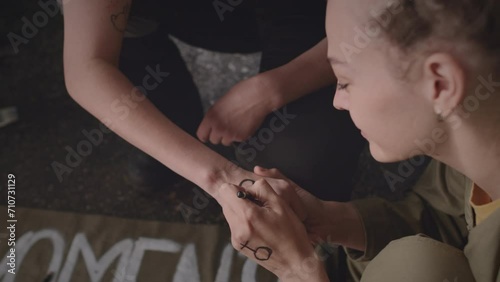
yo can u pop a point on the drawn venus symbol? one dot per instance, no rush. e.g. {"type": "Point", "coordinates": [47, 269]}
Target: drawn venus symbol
{"type": "Point", "coordinates": [261, 253]}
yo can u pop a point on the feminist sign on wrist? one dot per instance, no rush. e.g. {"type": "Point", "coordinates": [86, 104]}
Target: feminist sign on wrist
{"type": "Point", "coordinates": [261, 253]}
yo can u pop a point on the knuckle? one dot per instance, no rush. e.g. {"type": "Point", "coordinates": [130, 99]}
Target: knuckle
{"type": "Point", "coordinates": [279, 210]}
{"type": "Point", "coordinates": [224, 188]}
{"type": "Point", "coordinates": [283, 183]}
{"type": "Point", "coordinates": [260, 182]}
{"type": "Point", "coordinates": [281, 191]}
{"type": "Point", "coordinates": [251, 214]}
{"type": "Point", "coordinates": [235, 243]}
{"type": "Point", "coordinates": [236, 238]}
{"type": "Point", "coordinates": [239, 237]}
{"type": "Point", "coordinates": [283, 186]}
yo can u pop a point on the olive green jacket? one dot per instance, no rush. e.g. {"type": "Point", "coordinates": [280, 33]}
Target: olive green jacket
{"type": "Point", "coordinates": [439, 207]}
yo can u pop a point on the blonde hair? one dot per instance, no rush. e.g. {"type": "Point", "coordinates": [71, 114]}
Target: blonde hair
{"type": "Point", "coordinates": [472, 23]}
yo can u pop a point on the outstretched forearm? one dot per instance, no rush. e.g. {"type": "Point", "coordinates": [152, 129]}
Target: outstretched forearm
{"type": "Point", "coordinates": [106, 93]}
{"type": "Point", "coordinates": [93, 34]}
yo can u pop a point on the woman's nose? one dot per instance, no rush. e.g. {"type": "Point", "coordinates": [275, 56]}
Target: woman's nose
{"type": "Point", "coordinates": [341, 100]}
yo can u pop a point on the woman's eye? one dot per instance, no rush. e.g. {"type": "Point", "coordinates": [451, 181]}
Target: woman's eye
{"type": "Point", "coordinates": [341, 86]}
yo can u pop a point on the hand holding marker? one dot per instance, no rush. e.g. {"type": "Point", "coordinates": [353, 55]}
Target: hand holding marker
{"type": "Point", "coordinates": [246, 195]}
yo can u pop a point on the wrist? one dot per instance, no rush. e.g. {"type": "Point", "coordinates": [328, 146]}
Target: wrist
{"type": "Point", "coordinates": [345, 226]}
{"type": "Point", "coordinates": [228, 173]}
{"type": "Point", "coordinates": [272, 82]}
{"type": "Point", "coordinates": [308, 268]}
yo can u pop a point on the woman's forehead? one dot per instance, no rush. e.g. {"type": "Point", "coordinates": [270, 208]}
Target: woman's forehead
{"type": "Point", "coordinates": [344, 26]}
{"type": "Point", "coordinates": [358, 11]}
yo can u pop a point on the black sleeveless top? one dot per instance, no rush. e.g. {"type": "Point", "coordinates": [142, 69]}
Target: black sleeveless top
{"type": "Point", "coordinates": [211, 24]}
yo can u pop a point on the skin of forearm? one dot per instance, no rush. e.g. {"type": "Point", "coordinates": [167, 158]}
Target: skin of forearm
{"type": "Point", "coordinates": [314, 273]}
{"type": "Point", "coordinates": [345, 225]}
{"type": "Point", "coordinates": [306, 267]}
{"type": "Point", "coordinates": [99, 85]}
{"type": "Point", "coordinates": [308, 72]}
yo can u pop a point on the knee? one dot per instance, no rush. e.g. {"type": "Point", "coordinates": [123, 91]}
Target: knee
{"type": "Point", "coordinates": [418, 258]}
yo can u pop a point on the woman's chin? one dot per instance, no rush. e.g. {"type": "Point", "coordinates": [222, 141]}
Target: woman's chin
{"type": "Point", "coordinates": [383, 156]}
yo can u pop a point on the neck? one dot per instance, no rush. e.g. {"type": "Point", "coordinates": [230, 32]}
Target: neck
{"type": "Point", "coordinates": [475, 151]}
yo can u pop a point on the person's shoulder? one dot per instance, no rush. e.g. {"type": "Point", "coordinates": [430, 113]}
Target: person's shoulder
{"type": "Point", "coordinates": [443, 187]}
{"type": "Point", "coordinates": [440, 172]}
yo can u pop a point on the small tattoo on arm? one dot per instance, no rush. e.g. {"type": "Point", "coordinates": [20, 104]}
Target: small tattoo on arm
{"type": "Point", "coordinates": [261, 253]}
{"type": "Point", "coordinates": [119, 20]}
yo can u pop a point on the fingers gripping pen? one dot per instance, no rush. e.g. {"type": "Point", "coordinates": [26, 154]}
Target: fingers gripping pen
{"type": "Point", "coordinates": [246, 195]}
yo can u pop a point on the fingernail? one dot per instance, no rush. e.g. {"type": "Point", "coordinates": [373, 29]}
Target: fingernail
{"type": "Point", "coordinates": [261, 168]}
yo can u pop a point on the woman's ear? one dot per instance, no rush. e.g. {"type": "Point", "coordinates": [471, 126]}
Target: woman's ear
{"type": "Point", "coordinates": [444, 82]}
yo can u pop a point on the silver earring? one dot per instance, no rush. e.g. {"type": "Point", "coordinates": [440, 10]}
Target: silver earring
{"type": "Point", "coordinates": [439, 114]}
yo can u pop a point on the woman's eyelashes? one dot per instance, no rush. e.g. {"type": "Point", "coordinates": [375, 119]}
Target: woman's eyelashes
{"type": "Point", "coordinates": [342, 86]}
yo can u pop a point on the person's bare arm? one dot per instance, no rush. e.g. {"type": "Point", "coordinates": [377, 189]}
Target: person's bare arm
{"type": "Point", "coordinates": [303, 75]}
{"type": "Point", "coordinates": [344, 226]}
{"type": "Point", "coordinates": [237, 115]}
{"type": "Point", "coordinates": [93, 32]}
